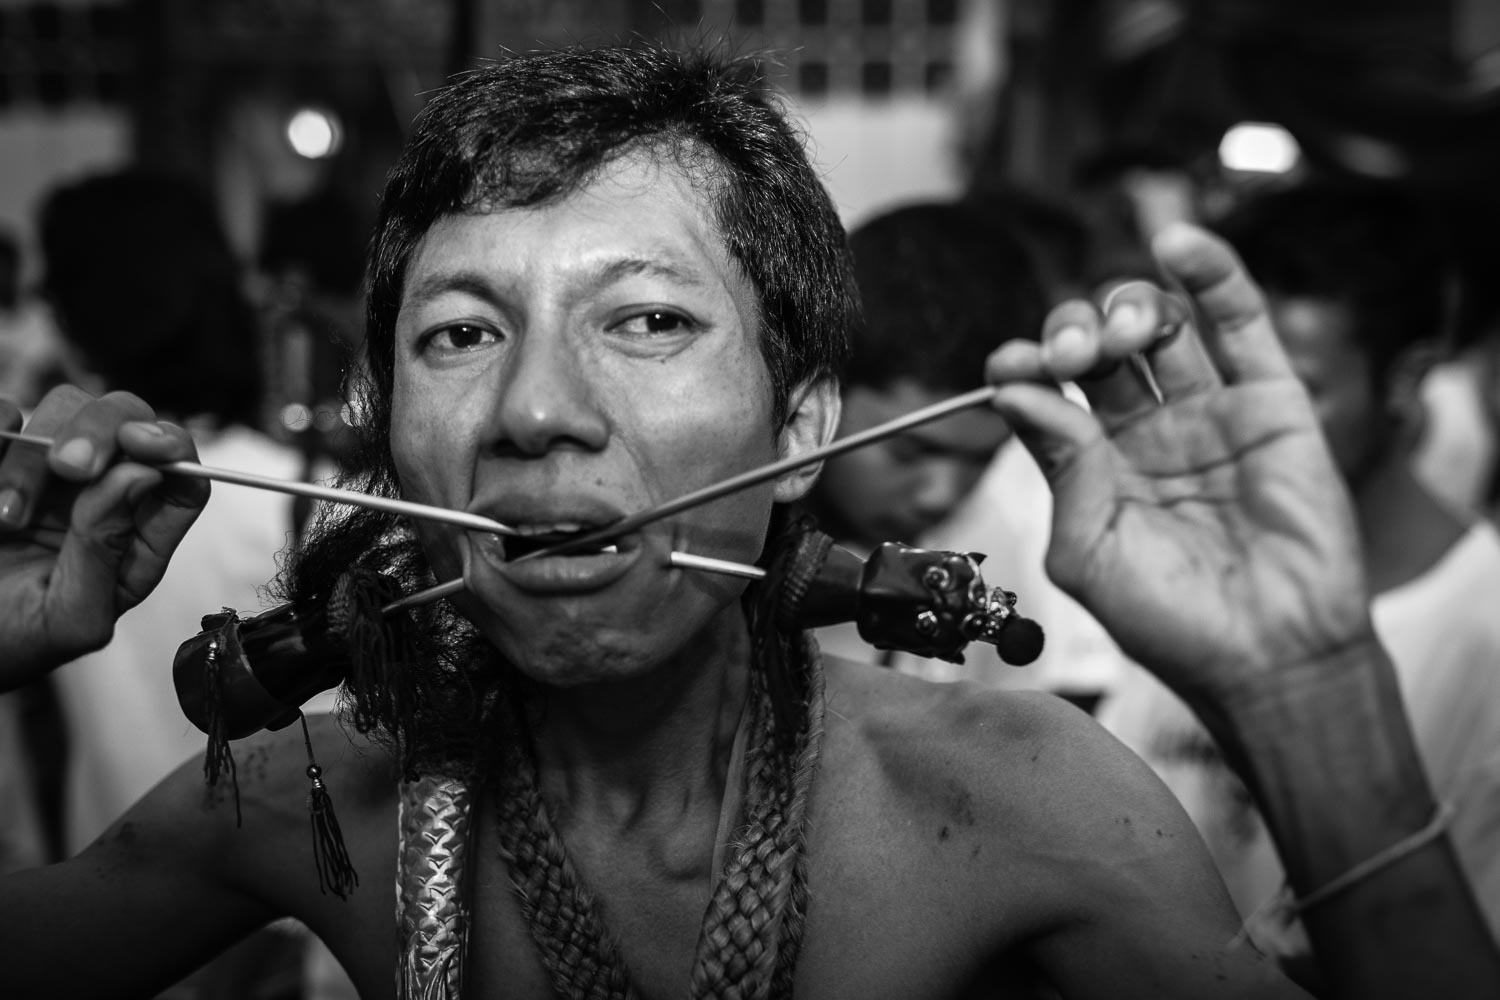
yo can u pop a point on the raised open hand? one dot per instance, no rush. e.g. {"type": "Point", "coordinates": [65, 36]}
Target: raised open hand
{"type": "Point", "coordinates": [86, 527]}
{"type": "Point", "coordinates": [1203, 521]}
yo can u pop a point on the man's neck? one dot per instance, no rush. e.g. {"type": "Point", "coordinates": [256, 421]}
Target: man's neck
{"type": "Point", "coordinates": [1404, 528]}
{"type": "Point", "coordinates": [651, 750]}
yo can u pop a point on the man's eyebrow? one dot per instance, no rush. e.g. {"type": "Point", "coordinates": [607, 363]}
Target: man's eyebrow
{"type": "Point", "coordinates": [667, 265]}
{"type": "Point", "coordinates": [433, 285]}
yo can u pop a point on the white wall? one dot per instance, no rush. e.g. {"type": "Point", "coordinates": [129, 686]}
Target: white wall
{"type": "Point", "coordinates": [876, 155]}
{"type": "Point", "coordinates": [39, 149]}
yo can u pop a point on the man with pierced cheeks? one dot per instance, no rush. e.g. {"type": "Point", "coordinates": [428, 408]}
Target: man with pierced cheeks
{"type": "Point", "coordinates": [603, 279]}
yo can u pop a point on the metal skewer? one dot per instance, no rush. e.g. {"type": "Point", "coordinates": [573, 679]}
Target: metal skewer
{"type": "Point", "coordinates": [462, 519]}
{"type": "Point", "coordinates": [681, 560]}
{"type": "Point", "coordinates": [420, 597]}
{"type": "Point", "coordinates": [624, 526]}
{"type": "Point", "coordinates": [686, 560]}
{"type": "Point", "coordinates": [969, 400]}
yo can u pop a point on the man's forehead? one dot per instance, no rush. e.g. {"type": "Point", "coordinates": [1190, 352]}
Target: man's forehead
{"type": "Point", "coordinates": [634, 219]}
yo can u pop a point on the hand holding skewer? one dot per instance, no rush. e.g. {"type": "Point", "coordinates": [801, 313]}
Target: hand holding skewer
{"type": "Point", "coordinates": [87, 526]}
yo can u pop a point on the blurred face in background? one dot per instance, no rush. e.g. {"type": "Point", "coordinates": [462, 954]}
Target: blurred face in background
{"type": "Point", "coordinates": [1322, 343]}
{"type": "Point", "coordinates": [899, 488]}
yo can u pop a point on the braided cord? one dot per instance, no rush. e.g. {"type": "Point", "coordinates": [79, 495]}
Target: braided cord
{"type": "Point", "coordinates": [578, 952]}
{"type": "Point", "coordinates": [752, 930]}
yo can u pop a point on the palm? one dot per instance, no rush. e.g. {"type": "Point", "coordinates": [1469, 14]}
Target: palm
{"type": "Point", "coordinates": [1211, 537]}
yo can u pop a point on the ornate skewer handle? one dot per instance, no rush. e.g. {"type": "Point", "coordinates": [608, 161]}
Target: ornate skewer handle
{"type": "Point", "coordinates": [922, 601]}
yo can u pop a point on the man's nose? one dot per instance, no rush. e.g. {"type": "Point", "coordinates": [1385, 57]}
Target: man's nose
{"type": "Point", "coordinates": [547, 400]}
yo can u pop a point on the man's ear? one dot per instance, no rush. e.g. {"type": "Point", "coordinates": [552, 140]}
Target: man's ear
{"type": "Point", "coordinates": [811, 422]}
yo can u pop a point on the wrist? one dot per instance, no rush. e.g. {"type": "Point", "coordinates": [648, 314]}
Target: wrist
{"type": "Point", "coordinates": [1290, 697]}
{"type": "Point", "coordinates": [1326, 748]}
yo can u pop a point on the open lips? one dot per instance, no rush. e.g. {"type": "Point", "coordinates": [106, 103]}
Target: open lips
{"type": "Point", "coordinates": [533, 538]}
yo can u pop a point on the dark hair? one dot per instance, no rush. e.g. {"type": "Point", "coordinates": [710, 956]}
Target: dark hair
{"type": "Point", "coordinates": [943, 285]}
{"type": "Point", "coordinates": [536, 128]}
{"type": "Point", "coordinates": [531, 130]}
{"type": "Point", "coordinates": [146, 287]}
{"type": "Point", "coordinates": [1375, 250]}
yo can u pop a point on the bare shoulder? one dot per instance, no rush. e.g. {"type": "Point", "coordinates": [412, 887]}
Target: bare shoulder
{"type": "Point", "coordinates": [1017, 738]}
{"type": "Point", "coordinates": [189, 869]}
{"type": "Point", "coordinates": [1048, 794]}
{"type": "Point", "coordinates": [250, 828]}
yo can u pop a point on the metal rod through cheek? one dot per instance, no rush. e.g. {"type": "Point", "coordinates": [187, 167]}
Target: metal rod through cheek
{"type": "Point", "coordinates": [927, 414]}
{"type": "Point", "coordinates": [969, 400]}
{"type": "Point", "coordinates": [681, 560]}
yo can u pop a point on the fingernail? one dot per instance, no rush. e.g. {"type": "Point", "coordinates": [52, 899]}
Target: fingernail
{"type": "Point", "coordinates": [12, 506]}
{"type": "Point", "coordinates": [1067, 341]}
{"type": "Point", "coordinates": [79, 453]}
{"type": "Point", "coordinates": [1126, 315]}
{"type": "Point", "coordinates": [145, 427]}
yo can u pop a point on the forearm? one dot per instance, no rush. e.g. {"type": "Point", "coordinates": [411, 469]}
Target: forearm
{"type": "Point", "coordinates": [71, 930]}
{"type": "Point", "coordinates": [1329, 755]}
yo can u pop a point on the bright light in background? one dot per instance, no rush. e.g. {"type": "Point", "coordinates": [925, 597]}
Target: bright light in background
{"type": "Point", "coordinates": [1259, 147]}
{"type": "Point", "coordinates": [296, 417]}
{"type": "Point", "coordinates": [313, 133]}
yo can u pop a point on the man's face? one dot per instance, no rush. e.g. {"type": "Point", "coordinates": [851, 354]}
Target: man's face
{"type": "Point", "coordinates": [1320, 340]}
{"type": "Point", "coordinates": [896, 489]}
{"type": "Point", "coordinates": [561, 366]}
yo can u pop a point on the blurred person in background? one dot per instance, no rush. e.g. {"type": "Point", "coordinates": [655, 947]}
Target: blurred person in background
{"type": "Point", "coordinates": [28, 367]}
{"type": "Point", "coordinates": [1356, 284]}
{"type": "Point", "coordinates": [1458, 456]}
{"type": "Point", "coordinates": [30, 356]}
{"type": "Point", "coordinates": [149, 299]}
{"type": "Point", "coordinates": [942, 283]}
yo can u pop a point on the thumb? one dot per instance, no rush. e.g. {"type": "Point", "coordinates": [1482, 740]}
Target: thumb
{"type": "Point", "coordinates": [85, 589]}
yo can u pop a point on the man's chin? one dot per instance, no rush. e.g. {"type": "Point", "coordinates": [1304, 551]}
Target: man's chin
{"type": "Point", "coordinates": [566, 656]}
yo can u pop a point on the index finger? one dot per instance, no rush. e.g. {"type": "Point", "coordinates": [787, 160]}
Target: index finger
{"type": "Point", "coordinates": [84, 431]}
{"type": "Point", "coordinates": [1240, 334]}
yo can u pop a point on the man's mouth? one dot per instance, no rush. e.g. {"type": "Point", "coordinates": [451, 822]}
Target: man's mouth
{"type": "Point", "coordinates": [534, 538]}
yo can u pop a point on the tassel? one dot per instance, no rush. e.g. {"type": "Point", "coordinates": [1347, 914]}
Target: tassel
{"type": "Point", "coordinates": [219, 758]}
{"type": "Point", "coordinates": [336, 872]}
{"type": "Point", "coordinates": [380, 650]}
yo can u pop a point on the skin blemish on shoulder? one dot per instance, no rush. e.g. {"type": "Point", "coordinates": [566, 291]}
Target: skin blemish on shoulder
{"type": "Point", "coordinates": [216, 797]}
{"type": "Point", "coordinates": [943, 833]}
{"type": "Point", "coordinates": [253, 768]}
{"type": "Point", "coordinates": [959, 804]}
{"type": "Point", "coordinates": [125, 834]}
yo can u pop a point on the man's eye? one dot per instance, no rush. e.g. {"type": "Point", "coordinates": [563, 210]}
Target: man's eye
{"type": "Point", "coordinates": [657, 321]}
{"type": "Point", "coordinates": [460, 337]}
